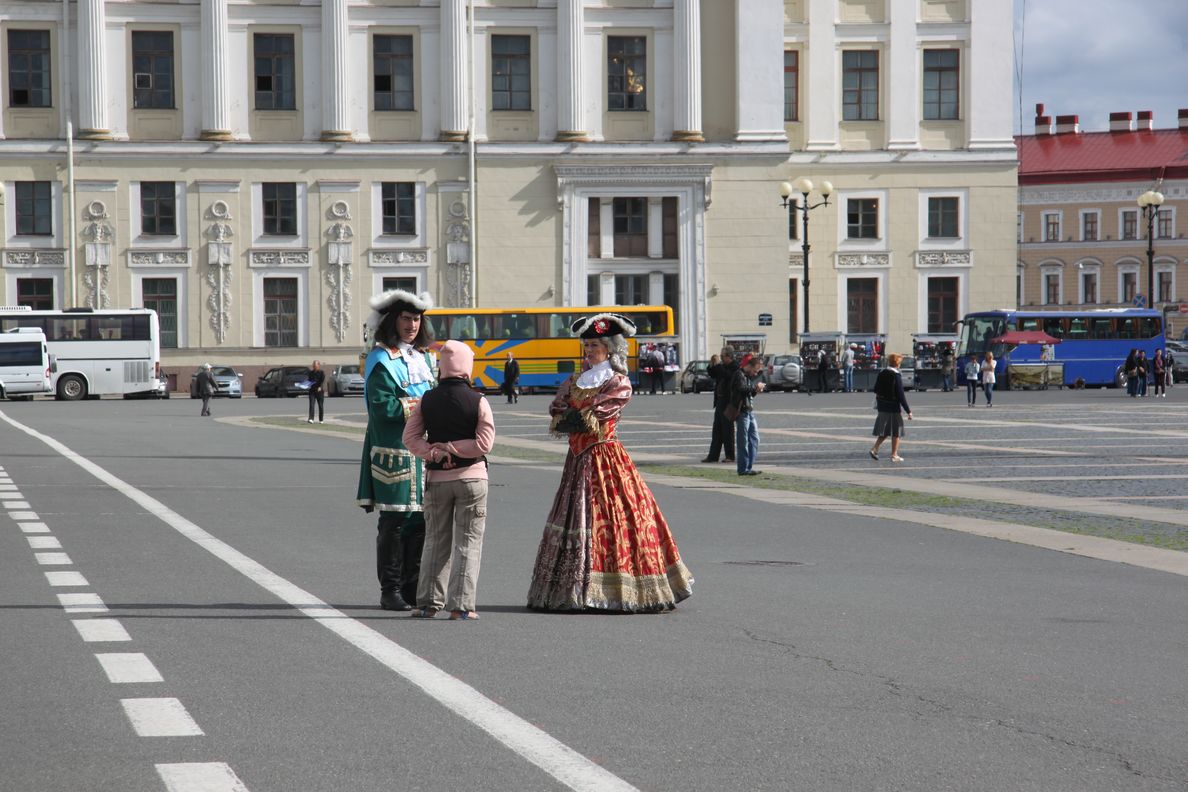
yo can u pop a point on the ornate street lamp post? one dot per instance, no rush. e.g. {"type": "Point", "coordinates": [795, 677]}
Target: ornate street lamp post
{"type": "Point", "coordinates": [1149, 202]}
{"type": "Point", "coordinates": [804, 186]}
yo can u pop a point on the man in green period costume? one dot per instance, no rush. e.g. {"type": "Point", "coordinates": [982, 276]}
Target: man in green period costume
{"type": "Point", "coordinates": [399, 369]}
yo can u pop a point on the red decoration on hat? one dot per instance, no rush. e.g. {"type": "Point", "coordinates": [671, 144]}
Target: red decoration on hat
{"type": "Point", "coordinates": [601, 326]}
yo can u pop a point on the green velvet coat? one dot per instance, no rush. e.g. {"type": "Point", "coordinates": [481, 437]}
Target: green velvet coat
{"type": "Point", "coordinates": [390, 477]}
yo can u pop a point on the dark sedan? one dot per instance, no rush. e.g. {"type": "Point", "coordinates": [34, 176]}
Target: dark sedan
{"type": "Point", "coordinates": [283, 381]}
{"type": "Point", "coordinates": [695, 378]}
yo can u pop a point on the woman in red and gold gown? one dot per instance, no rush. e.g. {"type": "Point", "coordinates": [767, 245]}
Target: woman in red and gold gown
{"type": "Point", "coordinates": [606, 546]}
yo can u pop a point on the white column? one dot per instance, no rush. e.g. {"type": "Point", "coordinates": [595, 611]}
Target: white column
{"type": "Point", "coordinates": [655, 226]}
{"type": "Point", "coordinates": [336, 118]}
{"type": "Point", "coordinates": [453, 70]}
{"type": "Point", "coordinates": [820, 87]}
{"type": "Point", "coordinates": [571, 20]}
{"type": "Point", "coordinates": [92, 70]}
{"type": "Point", "coordinates": [687, 47]}
{"type": "Point", "coordinates": [759, 52]}
{"type": "Point", "coordinates": [905, 75]}
{"type": "Point", "coordinates": [216, 106]}
{"type": "Point", "coordinates": [987, 79]}
{"type": "Point", "coordinates": [606, 227]}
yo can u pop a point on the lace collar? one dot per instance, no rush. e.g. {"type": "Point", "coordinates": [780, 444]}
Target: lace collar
{"type": "Point", "coordinates": [596, 375]}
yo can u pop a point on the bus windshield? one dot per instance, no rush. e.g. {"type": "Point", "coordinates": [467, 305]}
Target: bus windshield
{"type": "Point", "coordinates": [977, 332]}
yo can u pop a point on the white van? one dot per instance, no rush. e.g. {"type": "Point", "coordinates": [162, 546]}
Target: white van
{"type": "Point", "coordinates": [26, 367]}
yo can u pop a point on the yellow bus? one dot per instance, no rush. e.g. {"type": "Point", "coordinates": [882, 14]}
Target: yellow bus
{"type": "Point", "coordinates": [539, 338]}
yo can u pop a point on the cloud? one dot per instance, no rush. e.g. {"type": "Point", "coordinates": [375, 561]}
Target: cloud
{"type": "Point", "coordinates": [1092, 57]}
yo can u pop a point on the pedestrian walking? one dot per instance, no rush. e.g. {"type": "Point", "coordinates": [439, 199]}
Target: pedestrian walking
{"type": "Point", "coordinates": [722, 435]}
{"type": "Point", "coordinates": [947, 370]}
{"type": "Point", "coordinates": [452, 431]}
{"type": "Point", "coordinates": [511, 379]}
{"type": "Point", "coordinates": [1159, 374]}
{"type": "Point", "coordinates": [744, 386]}
{"type": "Point", "coordinates": [606, 546]}
{"type": "Point", "coordinates": [397, 372]}
{"type": "Point", "coordinates": [317, 392]}
{"type": "Point", "coordinates": [988, 378]}
{"type": "Point", "coordinates": [847, 367]}
{"type": "Point", "coordinates": [656, 363]}
{"type": "Point", "coordinates": [206, 387]}
{"type": "Point", "coordinates": [822, 370]}
{"type": "Point", "coordinates": [1131, 369]}
{"type": "Point", "coordinates": [973, 380]}
{"type": "Point", "coordinates": [1142, 369]}
{"type": "Point", "coordinates": [891, 403]}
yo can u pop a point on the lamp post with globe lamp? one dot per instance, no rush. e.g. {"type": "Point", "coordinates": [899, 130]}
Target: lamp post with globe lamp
{"type": "Point", "coordinates": [804, 186]}
{"type": "Point", "coordinates": [1149, 202]}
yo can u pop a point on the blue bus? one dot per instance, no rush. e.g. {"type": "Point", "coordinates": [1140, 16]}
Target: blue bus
{"type": "Point", "coordinates": [1093, 343]}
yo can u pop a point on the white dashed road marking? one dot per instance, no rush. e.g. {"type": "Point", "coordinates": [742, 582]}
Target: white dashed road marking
{"type": "Point", "coordinates": [23, 515]}
{"type": "Point", "coordinates": [528, 741]}
{"type": "Point", "coordinates": [159, 717]}
{"type": "Point", "coordinates": [99, 630]}
{"type": "Point", "coordinates": [124, 668]}
{"type": "Point", "coordinates": [66, 579]}
{"type": "Point", "coordinates": [16, 504]}
{"type": "Point", "coordinates": [200, 777]}
{"type": "Point", "coordinates": [82, 603]}
{"type": "Point", "coordinates": [51, 559]}
{"type": "Point", "coordinates": [34, 527]}
{"type": "Point", "coordinates": [44, 542]}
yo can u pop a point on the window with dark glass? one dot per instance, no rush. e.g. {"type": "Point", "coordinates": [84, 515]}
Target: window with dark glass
{"type": "Point", "coordinates": [627, 67]}
{"type": "Point", "coordinates": [594, 228]}
{"type": "Point", "coordinates": [158, 208]}
{"type": "Point", "coordinates": [1163, 282]}
{"type": "Point", "coordinates": [631, 290]}
{"type": "Point", "coordinates": [1089, 287]}
{"type": "Point", "coordinates": [29, 68]}
{"type": "Point", "coordinates": [862, 218]}
{"type": "Point", "coordinates": [1051, 228]}
{"type": "Point", "coordinates": [1089, 226]}
{"type": "Point", "coordinates": [280, 208]}
{"type": "Point", "coordinates": [593, 290]}
{"type": "Point", "coordinates": [398, 204]}
{"type": "Point", "coordinates": [791, 85]}
{"type": "Point", "coordinates": [860, 85]}
{"type": "Point", "coordinates": [1129, 286]}
{"type": "Point", "coordinates": [1130, 224]}
{"type": "Point", "coordinates": [37, 293]}
{"type": "Point", "coordinates": [942, 218]}
{"type": "Point", "coordinates": [942, 84]}
{"type": "Point", "coordinates": [1163, 228]}
{"type": "Point", "coordinates": [280, 312]}
{"type": "Point", "coordinates": [793, 217]}
{"type": "Point", "coordinates": [862, 305]}
{"type": "Point", "coordinates": [276, 87]}
{"type": "Point", "coordinates": [160, 294]}
{"type": "Point", "coordinates": [34, 209]}
{"type": "Point", "coordinates": [399, 282]}
{"type": "Point", "coordinates": [669, 243]}
{"type": "Point", "coordinates": [152, 69]}
{"type": "Point", "coordinates": [942, 305]}
{"type": "Point", "coordinates": [392, 67]}
{"type": "Point", "coordinates": [511, 73]}
{"type": "Point", "coordinates": [793, 318]}
{"type": "Point", "coordinates": [631, 227]}
{"type": "Point", "coordinates": [1051, 289]}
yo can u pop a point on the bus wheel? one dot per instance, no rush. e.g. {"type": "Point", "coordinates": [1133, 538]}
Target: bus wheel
{"type": "Point", "coordinates": [71, 388]}
{"type": "Point", "coordinates": [1120, 379]}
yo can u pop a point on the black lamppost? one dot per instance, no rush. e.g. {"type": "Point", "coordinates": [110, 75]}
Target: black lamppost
{"type": "Point", "coordinates": [804, 186]}
{"type": "Point", "coordinates": [1149, 202]}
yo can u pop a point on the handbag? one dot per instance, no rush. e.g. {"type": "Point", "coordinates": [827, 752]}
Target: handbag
{"type": "Point", "coordinates": [730, 412]}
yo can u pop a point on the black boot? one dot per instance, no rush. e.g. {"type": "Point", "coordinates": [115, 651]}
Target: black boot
{"type": "Point", "coordinates": [389, 557]}
{"type": "Point", "coordinates": [412, 541]}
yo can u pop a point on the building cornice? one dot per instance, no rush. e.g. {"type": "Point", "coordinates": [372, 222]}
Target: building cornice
{"type": "Point", "coordinates": [860, 159]}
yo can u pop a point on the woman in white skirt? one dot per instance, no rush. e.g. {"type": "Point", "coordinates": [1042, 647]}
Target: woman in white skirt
{"type": "Point", "coordinates": [891, 402]}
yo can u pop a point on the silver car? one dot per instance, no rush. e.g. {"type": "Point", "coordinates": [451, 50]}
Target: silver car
{"type": "Point", "coordinates": [784, 372]}
{"type": "Point", "coordinates": [346, 380]}
{"type": "Point", "coordinates": [227, 382]}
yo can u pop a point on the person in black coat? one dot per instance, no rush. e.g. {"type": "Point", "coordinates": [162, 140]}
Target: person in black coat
{"type": "Point", "coordinates": [317, 392]}
{"type": "Point", "coordinates": [721, 370]}
{"type": "Point", "coordinates": [891, 402]}
{"type": "Point", "coordinates": [511, 379]}
{"type": "Point", "coordinates": [206, 387]}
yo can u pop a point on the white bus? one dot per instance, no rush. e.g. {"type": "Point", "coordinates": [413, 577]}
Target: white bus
{"type": "Point", "coordinates": [98, 352]}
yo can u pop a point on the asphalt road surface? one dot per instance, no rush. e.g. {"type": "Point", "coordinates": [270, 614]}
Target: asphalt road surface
{"type": "Point", "coordinates": [189, 604]}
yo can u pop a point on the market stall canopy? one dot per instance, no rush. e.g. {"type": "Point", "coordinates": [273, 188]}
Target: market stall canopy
{"type": "Point", "coordinates": [1017, 337]}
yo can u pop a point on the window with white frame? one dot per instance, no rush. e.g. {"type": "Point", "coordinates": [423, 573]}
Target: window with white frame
{"type": "Point", "coordinates": [34, 208]}
{"type": "Point", "coordinates": [1052, 287]}
{"type": "Point", "coordinates": [1164, 285]}
{"type": "Point", "coordinates": [1051, 226]}
{"type": "Point", "coordinates": [943, 217]}
{"type": "Point", "coordinates": [791, 85]}
{"type": "Point", "coordinates": [399, 207]}
{"type": "Point", "coordinates": [158, 208]}
{"type": "Point", "coordinates": [1127, 285]}
{"type": "Point", "coordinates": [1128, 224]}
{"type": "Point", "coordinates": [627, 70]}
{"type": "Point", "coordinates": [1019, 227]}
{"type": "Point", "coordinates": [1165, 227]}
{"type": "Point", "coordinates": [37, 293]}
{"type": "Point", "coordinates": [280, 312]}
{"type": "Point", "coordinates": [862, 218]}
{"type": "Point", "coordinates": [860, 85]}
{"type": "Point", "coordinates": [279, 208]}
{"type": "Point", "coordinates": [942, 84]}
{"type": "Point", "coordinates": [1089, 292]}
{"type": "Point", "coordinates": [1089, 225]}
{"type": "Point", "coordinates": [160, 294]}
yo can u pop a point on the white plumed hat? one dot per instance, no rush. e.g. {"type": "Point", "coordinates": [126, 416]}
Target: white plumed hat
{"type": "Point", "coordinates": [396, 300]}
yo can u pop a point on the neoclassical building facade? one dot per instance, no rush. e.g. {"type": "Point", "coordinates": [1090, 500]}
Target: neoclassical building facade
{"type": "Point", "coordinates": [255, 171]}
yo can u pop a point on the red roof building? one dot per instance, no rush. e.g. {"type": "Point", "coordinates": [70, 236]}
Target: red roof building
{"type": "Point", "coordinates": [1083, 237]}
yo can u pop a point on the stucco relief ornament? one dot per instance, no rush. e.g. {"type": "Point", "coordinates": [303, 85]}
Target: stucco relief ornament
{"type": "Point", "coordinates": [338, 274]}
{"type": "Point", "coordinates": [458, 268]}
{"type": "Point", "coordinates": [98, 254]}
{"type": "Point", "coordinates": [218, 271]}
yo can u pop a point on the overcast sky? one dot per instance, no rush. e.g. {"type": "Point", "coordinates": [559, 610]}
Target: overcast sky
{"type": "Point", "coordinates": [1094, 57]}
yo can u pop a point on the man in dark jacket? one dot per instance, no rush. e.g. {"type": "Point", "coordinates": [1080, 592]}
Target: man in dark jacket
{"type": "Point", "coordinates": [317, 392]}
{"type": "Point", "coordinates": [511, 379]}
{"type": "Point", "coordinates": [206, 387]}
{"type": "Point", "coordinates": [744, 385]}
{"type": "Point", "coordinates": [722, 436]}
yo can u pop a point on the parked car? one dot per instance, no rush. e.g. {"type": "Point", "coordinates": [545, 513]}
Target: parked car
{"type": "Point", "coordinates": [1179, 353]}
{"type": "Point", "coordinates": [695, 378]}
{"type": "Point", "coordinates": [283, 381]}
{"type": "Point", "coordinates": [784, 372]}
{"type": "Point", "coordinates": [227, 382]}
{"type": "Point", "coordinates": [345, 380]}
{"type": "Point", "coordinates": [907, 370]}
